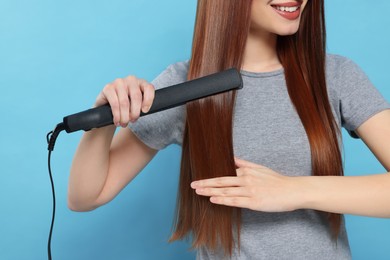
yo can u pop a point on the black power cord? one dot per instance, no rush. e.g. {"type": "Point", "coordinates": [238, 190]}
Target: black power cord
{"type": "Point", "coordinates": [51, 139]}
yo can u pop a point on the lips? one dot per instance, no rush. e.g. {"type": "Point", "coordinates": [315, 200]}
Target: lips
{"type": "Point", "coordinates": [288, 10]}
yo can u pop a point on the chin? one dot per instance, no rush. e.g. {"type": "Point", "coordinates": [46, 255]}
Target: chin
{"type": "Point", "coordinates": [287, 31]}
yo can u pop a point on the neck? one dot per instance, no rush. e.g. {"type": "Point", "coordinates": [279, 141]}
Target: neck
{"type": "Point", "coordinates": [260, 52]}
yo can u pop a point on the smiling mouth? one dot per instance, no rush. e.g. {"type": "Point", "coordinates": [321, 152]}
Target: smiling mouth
{"type": "Point", "coordinates": [286, 8]}
{"type": "Point", "coordinates": [290, 10]}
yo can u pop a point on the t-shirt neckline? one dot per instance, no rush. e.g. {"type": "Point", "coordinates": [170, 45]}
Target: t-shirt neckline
{"type": "Point", "coordinates": [262, 74]}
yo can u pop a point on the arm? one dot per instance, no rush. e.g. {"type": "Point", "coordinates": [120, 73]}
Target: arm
{"type": "Point", "coordinates": [259, 188]}
{"type": "Point", "coordinates": [103, 164]}
{"type": "Point", "coordinates": [101, 168]}
{"type": "Point", "coordinates": [360, 195]}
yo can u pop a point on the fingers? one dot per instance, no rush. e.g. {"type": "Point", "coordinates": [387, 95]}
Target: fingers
{"type": "Point", "coordinates": [225, 192]}
{"type": "Point", "coordinates": [228, 196]}
{"type": "Point", "coordinates": [123, 102]}
{"type": "Point", "coordinates": [110, 95]}
{"type": "Point", "coordinates": [148, 97]}
{"type": "Point", "coordinates": [217, 182]}
{"type": "Point", "coordinates": [135, 97]}
{"type": "Point", "coordinates": [127, 98]}
{"type": "Point", "coordinates": [239, 202]}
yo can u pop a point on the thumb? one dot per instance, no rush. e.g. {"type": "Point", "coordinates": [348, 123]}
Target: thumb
{"type": "Point", "coordinates": [242, 163]}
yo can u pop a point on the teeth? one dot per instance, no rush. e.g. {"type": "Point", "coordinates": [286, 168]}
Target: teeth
{"type": "Point", "coordinates": [287, 9]}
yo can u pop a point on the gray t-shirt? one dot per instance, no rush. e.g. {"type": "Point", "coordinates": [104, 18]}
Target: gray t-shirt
{"type": "Point", "coordinates": [267, 130]}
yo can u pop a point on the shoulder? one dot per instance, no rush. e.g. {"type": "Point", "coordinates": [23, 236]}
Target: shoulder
{"type": "Point", "coordinates": [180, 67]}
{"type": "Point", "coordinates": [173, 74]}
{"type": "Point", "coordinates": [344, 75]}
{"type": "Point", "coordinates": [337, 64]}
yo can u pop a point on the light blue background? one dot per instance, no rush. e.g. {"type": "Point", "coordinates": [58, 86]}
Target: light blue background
{"type": "Point", "coordinates": [55, 56]}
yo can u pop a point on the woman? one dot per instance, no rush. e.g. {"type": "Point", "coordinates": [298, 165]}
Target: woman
{"type": "Point", "coordinates": [271, 149]}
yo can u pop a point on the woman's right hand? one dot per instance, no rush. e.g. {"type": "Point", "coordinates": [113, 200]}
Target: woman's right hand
{"type": "Point", "coordinates": [127, 98]}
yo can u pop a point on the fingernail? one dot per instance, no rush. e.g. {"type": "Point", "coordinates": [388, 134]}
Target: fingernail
{"type": "Point", "coordinates": [193, 185]}
{"type": "Point", "coordinates": [145, 109]}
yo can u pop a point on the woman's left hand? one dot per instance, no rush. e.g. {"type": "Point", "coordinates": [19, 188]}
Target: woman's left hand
{"type": "Point", "coordinates": [255, 187]}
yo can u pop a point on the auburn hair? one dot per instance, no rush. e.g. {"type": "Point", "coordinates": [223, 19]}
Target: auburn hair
{"type": "Point", "coordinates": [220, 34]}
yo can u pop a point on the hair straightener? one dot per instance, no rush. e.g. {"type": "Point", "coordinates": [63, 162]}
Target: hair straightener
{"type": "Point", "coordinates": [165, 98]}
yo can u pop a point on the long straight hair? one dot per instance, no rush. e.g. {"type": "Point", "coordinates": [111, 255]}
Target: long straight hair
{"type": "Point", "coordinates": [221, 30]}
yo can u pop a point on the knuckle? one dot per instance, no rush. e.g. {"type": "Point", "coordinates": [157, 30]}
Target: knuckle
{"type": "Point", "coordinates": [107, 87]}
{"type": "Point", "coordinates": [124, 102]}
{"type": "Point", "coordinates": [118, 82]}
{"type": "Point", "coordinates": [131, 78]}
{"type": "Point", "coordinates": [114, 106]}
{"type": "Point", "coordinates": [225, 192]}
{"type": "Point", "coordinates": [219, 182]}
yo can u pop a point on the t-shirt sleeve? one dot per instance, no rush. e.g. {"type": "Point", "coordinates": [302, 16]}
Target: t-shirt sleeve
{"type": "Point", "coordinates": [166, 127]}
{"type": "Point", "coordinates": [359, 99]}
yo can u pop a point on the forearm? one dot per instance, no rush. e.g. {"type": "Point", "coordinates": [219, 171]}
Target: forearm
{"type": "Point", "coordinates": [89, 168]}
{"type": "Point", "coordinates": [357, 195]}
